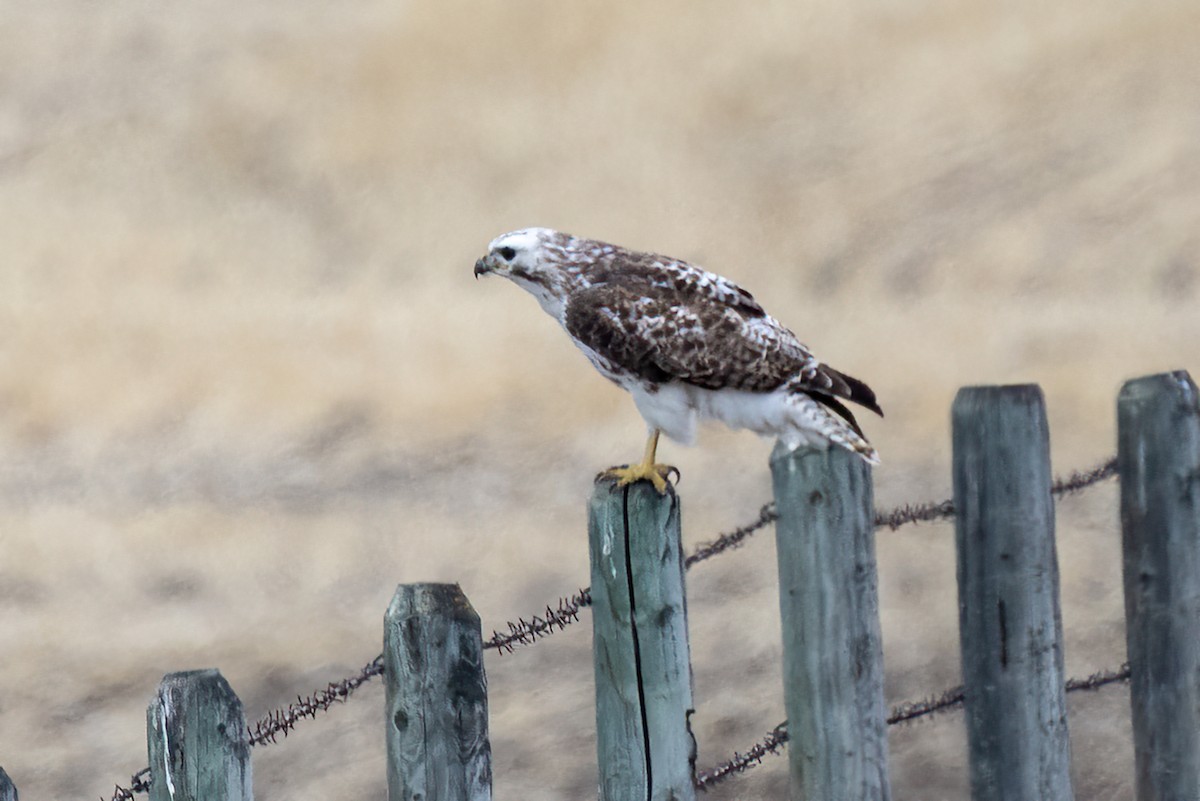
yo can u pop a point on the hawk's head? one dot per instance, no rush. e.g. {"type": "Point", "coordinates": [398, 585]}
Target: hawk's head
{"type": "Point", "coordinates": [543, 262]}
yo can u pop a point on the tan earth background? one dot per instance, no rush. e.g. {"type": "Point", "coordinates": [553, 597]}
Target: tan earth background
{"type": "Point", "coordinates": [248, 384]}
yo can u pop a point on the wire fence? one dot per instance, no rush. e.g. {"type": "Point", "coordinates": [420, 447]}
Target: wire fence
{"type": "Point", "coordinates": [527, 631]}
{"type": "Point", "coordinates": [907, 712]}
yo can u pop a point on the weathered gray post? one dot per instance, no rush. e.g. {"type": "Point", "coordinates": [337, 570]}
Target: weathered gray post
{"type": "Point", "coordinates": [8, 792]}
{"type": "Point", "coordinates": [437, 712]}
{"type": "Point", "coordinates": [640, 645]}
{"type": "Point", "coordinates": [828, 599]}
{"type": "Point", "coordinates": [196, 740]}
{"type": "Point", "coordinates": [1010, 626]}
{"type": "Point", "coordinates": [1158, 456]}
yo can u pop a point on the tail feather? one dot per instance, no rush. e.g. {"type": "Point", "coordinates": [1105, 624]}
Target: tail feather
{"type": "Point", "coordinates": [841, 408]}
{"type": "Point", "coordinates": [821, 419]}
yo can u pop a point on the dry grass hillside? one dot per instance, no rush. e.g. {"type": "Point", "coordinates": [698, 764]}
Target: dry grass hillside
{"type": "Point", "coordinates": [248, 385]}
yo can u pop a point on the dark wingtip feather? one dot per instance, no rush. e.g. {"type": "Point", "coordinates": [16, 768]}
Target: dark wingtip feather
{"type": "Point", "coordinates": [861, 394]}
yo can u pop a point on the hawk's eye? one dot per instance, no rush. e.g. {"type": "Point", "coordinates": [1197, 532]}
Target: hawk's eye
{"type": "Point", "coordinates": [508, 254]}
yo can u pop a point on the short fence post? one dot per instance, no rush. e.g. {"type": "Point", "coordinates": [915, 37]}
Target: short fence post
{"type": "Point", "coordinates": [1010, 625]}
{"type": "Point", "coordinates": [437, 711]}
{"type": "Point", "coordinates": [1158, 456]}
{"type": "Point", "coordinates": [828, 599]}
{"type": "Point", "coordinates": [640, 645]}
{"type": "Point", "coordinates": [196, 739]}
{"type": "Point", "coordinates": [8, 792]}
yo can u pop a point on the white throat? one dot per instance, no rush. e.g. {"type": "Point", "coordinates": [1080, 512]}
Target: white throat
{"type": "Point", "coordinates": [551, 303]}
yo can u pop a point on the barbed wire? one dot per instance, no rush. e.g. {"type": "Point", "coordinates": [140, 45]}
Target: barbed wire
{"type": "Point", "coordinates": [281, 721]}
{"type": "Point", "coordinates": [773, 743]}
{"type": "Point", "coordinates": [138, 783]}
{"type": "Point", "coordinates": [528, 631]}
{"type": "Point", "coordinates": [906, 712]}
{"type": "Point", "coordinates": [525, 632]}
{"type": "Point", "coordinates": [728, 541]}
{"type": "Point", "coordinates": [1075, 481]}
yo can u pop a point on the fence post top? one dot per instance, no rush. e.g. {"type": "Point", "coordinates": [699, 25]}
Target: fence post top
{"type": "Point", "coordinates": [1176, 382]}
{"type": "Point", "coordinates": [183, 678]}
{"type": "Point", "coordinates": [446, 600]}
{"type": "Point", "coordinates": [606, 484]}
{"type": "Point", "coordinates": [782, 453]}
{"type": "Point", "coordinates": [1027, 394]}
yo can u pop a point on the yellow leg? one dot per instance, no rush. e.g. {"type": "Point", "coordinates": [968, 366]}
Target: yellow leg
{"type": "Point", "coordinates": [647, 469]}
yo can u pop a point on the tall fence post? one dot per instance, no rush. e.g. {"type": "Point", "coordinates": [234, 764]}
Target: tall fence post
{"type": "Point", "coordinates": [1158, 457]}
{"type": "Point", "coordinates": [640, 645]}
{"type": "Point", "coordinates": [8, 792]}
{"type": "Point", "coordinates": [829, 604]}
{"type": "Point", "coordinates": [437, 712]}
{"type": "Point", "coordinates": [1009, 621]}
{"type": "Point", "coordinates": [196, 740]}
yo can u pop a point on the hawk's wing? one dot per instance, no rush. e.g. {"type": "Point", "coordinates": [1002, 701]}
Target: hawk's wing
{"type": "Point", "coordinates": [703, 334]}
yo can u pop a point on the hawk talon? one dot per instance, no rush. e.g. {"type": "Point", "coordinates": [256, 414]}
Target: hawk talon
{"type": "Point", "coordinates": [657, 474]}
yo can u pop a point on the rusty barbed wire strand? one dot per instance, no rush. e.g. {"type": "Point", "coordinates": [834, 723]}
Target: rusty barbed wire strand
{"type": "Point", "coordinates": [706, 550]}
{"type": "Point", "coordinates": [906, 712]}
{"type": "Point", "coordinates": [915, 513]}
{"type": "Point", "coordinates": [909, 711]}
{"type": "Point", "coordinates": [281, 721]}
{"type": "Point", "coordinates": [771, 744]}
{"type": "Point", "coordinates": [1099, 679]}
{"type": "Point", "coordinates": [1078, 480]}
{"type": "Point", "coordinates": [524, 632]}
{"type": "Point", "coordinates": [556, 618]}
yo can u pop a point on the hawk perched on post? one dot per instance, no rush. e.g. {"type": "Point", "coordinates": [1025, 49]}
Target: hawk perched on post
{"type": "Point", "coordinates": [686, 343]}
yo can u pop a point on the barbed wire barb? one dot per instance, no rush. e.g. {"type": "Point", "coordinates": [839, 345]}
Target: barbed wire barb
{"type": "Point", "coordinates": [138, 783]}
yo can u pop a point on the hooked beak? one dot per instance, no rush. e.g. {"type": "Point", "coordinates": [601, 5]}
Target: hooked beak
{"type": "Point", "coordinates": [482, 267]}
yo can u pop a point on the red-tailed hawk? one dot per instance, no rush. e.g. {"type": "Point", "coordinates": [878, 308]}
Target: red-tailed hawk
{"type": "Point", "coordinates": [686, 343]}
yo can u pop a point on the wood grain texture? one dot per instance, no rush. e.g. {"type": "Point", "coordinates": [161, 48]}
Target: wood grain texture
{"type": "Point", "coordinates": [1158, 457]}
{"type": "Point", "coordinates": [1010, 625]}
{"type": "Point", "coordinates": [640, 645]}
{"type": "Point", "coordinates": [196, 740]}
{"type": "Point", "coordinates": [828, 598]}
{"type": "Point", "coordinates": [436, 696]}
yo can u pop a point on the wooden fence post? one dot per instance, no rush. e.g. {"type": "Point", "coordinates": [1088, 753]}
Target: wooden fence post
{"type": "Point", "coordinates": [8, 792]}
{"type": "Point", "coordinates": [640, 645]}
{"type": "Point", "coordinates": [437, 712]}
{"type": "Point", "coordinates": [196, 739]}
{"type": "Point", "coordinates": [829, 604]}
{"type": "Point", "coordinates": [1010, 626]}
{"type": "Point", "coordinates": [1158, 456]}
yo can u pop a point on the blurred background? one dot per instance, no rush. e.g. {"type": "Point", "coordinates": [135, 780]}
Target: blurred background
{"type": "Point", "coordinates": [248, 384]}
